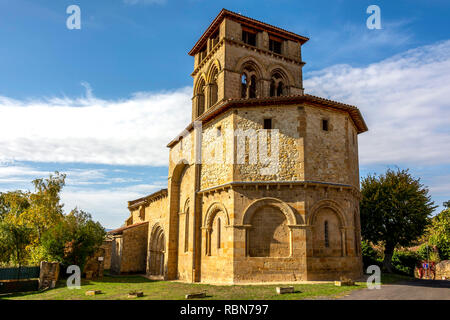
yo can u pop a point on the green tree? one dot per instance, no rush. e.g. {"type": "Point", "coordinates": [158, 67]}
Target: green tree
{"type": "Point", "coordinates": [73, 239]}
{"type": "Point", "coordinates": [45, 209]}
{"type": "Point", "coordinates": [13, 204]}
{"type": "Point", "coordinates": [439, 233]}
{"type": "Point", "coordinates": [14, 239]}
{"type": "Point", "coordinates": [395, 210]}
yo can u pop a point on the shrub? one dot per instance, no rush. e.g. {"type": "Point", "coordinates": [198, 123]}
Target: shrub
{"type": "Point", "coordinates": [427, 252]}
{"type": "Point", "coordinates": [404, 262]}
{"type": "Point", "coordinates": [74, 239]}
{"type": "Point", "coordinates": [369, 254]}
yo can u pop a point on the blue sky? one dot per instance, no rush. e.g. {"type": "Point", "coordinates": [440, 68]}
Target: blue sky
{"type": "Point", "coordinates": [102, 102]}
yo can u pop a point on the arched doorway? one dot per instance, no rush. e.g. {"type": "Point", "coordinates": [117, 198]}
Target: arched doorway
{"type": "Point", "coordinates": [157, 251]}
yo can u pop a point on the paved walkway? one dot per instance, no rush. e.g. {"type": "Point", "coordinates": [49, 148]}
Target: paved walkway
{"type": "Point", "coordinates": [405, 290]}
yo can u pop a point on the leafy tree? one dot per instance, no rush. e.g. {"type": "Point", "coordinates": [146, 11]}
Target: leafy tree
{"type": "Point", "coordinates": [428, 252]}
{"type": "Point", "coordinates": [405, 261]}
{"type": "Point", "coordinates": [45, 209]}
{"type": "Point", "coordinates": [447, 204]}
{"type": "Point", "coordinates": [369, 254]}
{"type": "Point", "coordinates": [14, 239]}
{"type": "Point", "coordinates": [394, 210]}
{"type": "Point", "coordinates": [13, 204]}
{"type": "Point", "coordinates": [439, 234]}
{"type": "Point", "coordinates": [73, 239]}
{"type": "Point", "coordinates": [14, 235]}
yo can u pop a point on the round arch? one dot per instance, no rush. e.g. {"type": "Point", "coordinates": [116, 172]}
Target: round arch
{"type": "Point", "coordinates": [186, 205]}
{"type": "Point", "coordinates": [157, 250]}
{"type": "Point", "coordinates": [211, 212]}
{"type": "Point", "coordinates": [277, 68]}
{"type": "Point", "coordinates": [200, 79]}
{"type": "Point", "coordinates": [178, 171]}
{"type": "Point", "coordinates": [326, 203]}
{"type": "Point", "coordinates": [213, 67]}
{"type": "Point", "coordinates": [250, 61]}
{"type": "Point", "coordinates": [273, 202]}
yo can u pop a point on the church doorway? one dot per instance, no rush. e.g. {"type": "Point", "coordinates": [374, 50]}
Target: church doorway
{"type": "Point", "coordinates": [157, 252]}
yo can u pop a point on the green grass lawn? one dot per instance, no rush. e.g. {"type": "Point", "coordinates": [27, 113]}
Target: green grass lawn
{"type": "Point", "coordinates": [117, 287]}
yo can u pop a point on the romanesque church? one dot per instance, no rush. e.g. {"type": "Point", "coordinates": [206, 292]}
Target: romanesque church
{"type": "Point", "coordinates": [241, 218]}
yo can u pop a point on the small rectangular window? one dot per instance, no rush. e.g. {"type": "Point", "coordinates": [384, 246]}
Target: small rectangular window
{"type": "Point", "coordinates": [268, 124]}
{"type": "Point", "coordinates": [219, 131]}
{"type": "Point", "coordinates": [275, 46]}
{"type": "Point", "coordinates": [249, 38]}
{"type": "Point", "coordinates": [215, 39]}
{"type": "Point", "coordinates": [325, 125]}
{"type": "Point", "coordinates": [202, 54]}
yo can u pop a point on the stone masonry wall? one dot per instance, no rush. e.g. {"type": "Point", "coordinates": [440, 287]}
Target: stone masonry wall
{"type": "Point", "coordinates": [134, 252]}
{"type": "Point", "coordinates": [217, 267]}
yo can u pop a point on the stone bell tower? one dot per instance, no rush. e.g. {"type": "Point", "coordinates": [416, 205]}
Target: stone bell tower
{"type": "Point", "coordinates": [239, 57]}
{"type": "Point", "coordinates": [231, 221]}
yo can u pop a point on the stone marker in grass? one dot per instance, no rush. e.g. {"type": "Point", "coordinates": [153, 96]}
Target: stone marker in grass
{"type": "Point", "coordinates": [344, 282]}
{"type": "Point", "coordinates": [93, 292]}
{"type": "Point", "coordinates": [283, 290]}
{"type": "Point", "coordinates": [196, 295]}
{"type": "Point", "coordinates": [135, 294]}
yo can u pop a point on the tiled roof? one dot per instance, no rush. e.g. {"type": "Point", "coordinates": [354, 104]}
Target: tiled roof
{"type": "Point", "coordinates": [159, 193]}
{"type": "Point", "coordinates": [121, 229]}
{"type": "Point", "coordinates": [245, 20]}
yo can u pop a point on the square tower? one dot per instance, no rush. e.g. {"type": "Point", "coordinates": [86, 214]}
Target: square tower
{"type": "Point", "coordinates": [242, 58]}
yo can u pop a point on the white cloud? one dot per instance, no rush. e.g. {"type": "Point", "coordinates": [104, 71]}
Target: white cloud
{"type": "Point", "coordinates": [404, 100]}
{"type": "Point", "coordinates": [109, 206]}
{"type": "Point", "coordinates": [131, 131]}
{"type": "Point", "coordinates": [92, 190]}
{"type": "Point", "coordinates": [13, 174]}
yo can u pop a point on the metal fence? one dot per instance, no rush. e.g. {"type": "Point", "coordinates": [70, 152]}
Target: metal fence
{"type": "Point", "coordinates": [15, 273]}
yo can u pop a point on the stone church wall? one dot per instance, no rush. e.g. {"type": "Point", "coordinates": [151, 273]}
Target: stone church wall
{"type": "Point", "coordinates": [331, 155]}
{"type": "Point", "coordinates": [217, 263]}
{"type": "Point", "coordinates": [290, 160]}
{"type": "Point", "coordinates": [215, 168]}
{"type": "Point", "coordinates": [130, 250]}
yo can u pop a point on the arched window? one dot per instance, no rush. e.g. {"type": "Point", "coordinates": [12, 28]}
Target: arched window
{"type": "Point", "coordinates": [272, 88]}
{"type": "Point", "coordinates": [252, 89]}
{"type": "Point", "coordinates": [186, 231]}
{"type": "Point", "coordinates": [280, 89]}
{"type": "Point", "coordinates": [249, 81]}
{"type": "Point", "coordinates": [326, 236]}
{"type": "Point", "coordinates": [277, 85]}
{"type": "Point", "coordinates": [200, 95]}
{"type": "Point", "coordinates": [219, 231]}
{"type": "Point", "coordinates": [214, 88]}
{"type": "Point", "coordinates": [244, 84]}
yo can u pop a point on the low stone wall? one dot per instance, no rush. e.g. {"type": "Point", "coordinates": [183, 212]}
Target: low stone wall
{"type": "Point", "coordinates": [129, 249]}
{"type": "Point", "coordinates": [95, 265]}
{"type": "Point", "coordinates": [134, 254]}
{"type": "Point", "coordinates": [443, 270]}
{"type": "Point", "coordinates": [49, 274]}
{"type": "Point", "coordinates": [107, 247]}
{"type": "Point", "coordinates": [116, 254]}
